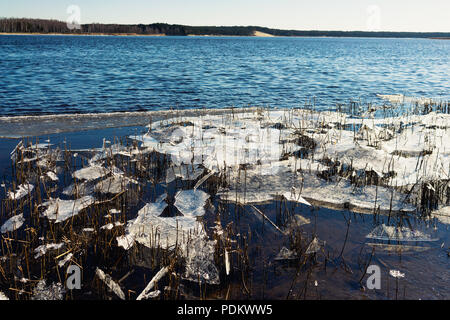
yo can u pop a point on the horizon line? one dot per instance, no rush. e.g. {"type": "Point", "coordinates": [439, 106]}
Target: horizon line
{"type": "Point", "coordinates": [231, 26]}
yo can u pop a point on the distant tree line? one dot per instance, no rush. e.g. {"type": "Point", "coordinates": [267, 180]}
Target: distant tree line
{"type": "Point", "coordinates": [14, 25]}
{"type": "Point", "coordinates": [155, 28]}
{"type": "Point", "coordinates": [32, 25]}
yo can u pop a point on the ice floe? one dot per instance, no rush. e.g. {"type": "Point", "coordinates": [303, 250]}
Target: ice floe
{"type": "Point", "coordinates": [227, 262]}
{"type": "Point", "coordinates": [402, 99]}
{"type": "Point", "coordinates": [41, 154]}
{"type": "Point", "coordinates": [200, 264]}
{"type": "Point", "coordinates": [295, 196]}
{"type": "Point", "coordinates": [60, 210]}
{"type": "Point", "coordinates": [22, 191]}
{"type": "Point", "coordinates": [191, 202]}
{"type": "Point", "coordinates": [153, 294]}
{"type": "Point", "coordinates": [335, 193]}
{"type": "Point", "coordinates": [113, 184]}
{"type": "Point", "coordinates": [182, 232]}
{"type": "Point", "coordinates": [398, 152]}
{"type": "Point", "coordinates": [184, 172]}
{"type": "Point", "coordinates": [79, 189]}
{"type": "Point", "coordinates": [92, 172]}
{"type": "Point", "coordinates": [314, 246]}
{"type": "Point", "coordinates": [52, 176]}
{"type": "Point", "coordinates": [13, 223]}
{"type": "Point", "coordinates": [125, 241]}
{"type": "Point", "coordinates": [153, 231]}
{"type": "Point", "coordinates": [442, 214]}
{"type": "Point", "coordinates": [312, 158]}
{"type": "Point", "coordinates": [42, 249]}
{"type": "Point", "coordinates": [285, 254]}
{"type": "Point", "coordinates": [64, 260]}
{"type": "Point", "coordinates": [396, 274]}
{"type": "Point", "coordinates": [110, 226]}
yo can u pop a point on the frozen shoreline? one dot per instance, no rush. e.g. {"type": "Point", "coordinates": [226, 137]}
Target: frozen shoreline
{"type": "Point", "coordinates": [370, 164]}
{"type": "Point", "coordinates": [35, 125]}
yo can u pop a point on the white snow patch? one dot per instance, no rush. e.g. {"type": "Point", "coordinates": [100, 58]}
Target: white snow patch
{"type": "Point", "coordinates": [92, 172]}
{"type": "Point", "coordinates": [125, 241]}
{"type": "Point", "coordinates": [22, 191]}
{"type": "Point", "coordinates": [52, 176]}
{"type": "Point", "coordinates": [443, 215]}
{"type": "Point", "coordinates": [396, 274]}
{"type": "Point", "coordinates": [384, 232]}
{"type": "Point", "coordinates": [191, 202]}
{"type": "Point", "coordinates": [42, 249]}
{"type": "Point", "coordinates": [66, 259]}
{"type": "Point", "coordinates": [110, 226]}
{"type": "Point", "coordinates": [60, 210]}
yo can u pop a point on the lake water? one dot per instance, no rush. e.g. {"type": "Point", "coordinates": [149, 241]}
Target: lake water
{"type": "Point", "coordinates": [74, 74]}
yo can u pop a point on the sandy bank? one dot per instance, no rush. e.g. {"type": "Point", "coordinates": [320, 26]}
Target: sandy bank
{"type": "Point", "coordinates": [262, 34]}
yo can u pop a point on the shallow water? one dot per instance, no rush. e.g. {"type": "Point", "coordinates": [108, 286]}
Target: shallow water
{"type": "Point", "coordinates": [70, 74]}
{"type": "Point", "coordinates": [426, 273]}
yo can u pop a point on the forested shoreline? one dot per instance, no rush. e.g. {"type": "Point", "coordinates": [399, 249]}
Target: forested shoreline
{"type": "Point", "coordinates": [22, 25]}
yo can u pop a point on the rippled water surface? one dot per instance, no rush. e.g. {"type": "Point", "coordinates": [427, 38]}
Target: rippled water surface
{"type": "Point", "coordinates": [70, 74]}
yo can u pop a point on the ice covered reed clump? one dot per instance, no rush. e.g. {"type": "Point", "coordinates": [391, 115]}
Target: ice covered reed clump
{"type": "Point", "coordinates": [183, 233]}
{"type": "Point", "coordinates": [330, 158]}
{"type": "Point", "coordinates": [60, 210]}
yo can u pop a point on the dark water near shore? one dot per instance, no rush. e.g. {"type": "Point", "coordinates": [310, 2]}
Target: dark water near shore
{"type": "Point", "coordinates": [73, 74]}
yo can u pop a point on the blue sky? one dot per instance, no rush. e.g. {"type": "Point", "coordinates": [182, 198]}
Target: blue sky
{"type": "Point", "coordinates": [389, 15]}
